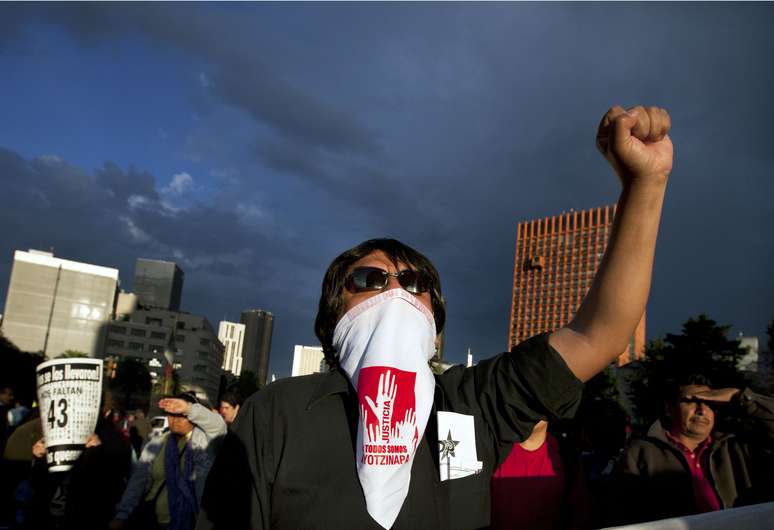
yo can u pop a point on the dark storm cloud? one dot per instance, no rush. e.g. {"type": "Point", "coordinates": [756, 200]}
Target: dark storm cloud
{"type": "Point", "coordinates": [242, 79]}
{"type": "Point", "coordinates": [444, 125]}
{"type": "Point", "coordinates": [114, 216]}
{"type": "Point", "coordinates": [120, 185]}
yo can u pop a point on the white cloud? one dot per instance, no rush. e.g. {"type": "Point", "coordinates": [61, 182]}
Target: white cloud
{"type": "Point", "coordinates": [179, 183]}
{"type": "Point", "coordinates": [138, 235]}
{"type": "Point", "coordinates": [137, 201]}
{"type": "Point", "coordinates": [251, 213]}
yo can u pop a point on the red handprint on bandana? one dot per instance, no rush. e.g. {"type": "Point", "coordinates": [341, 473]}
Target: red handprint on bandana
{"type": "Point", "coordinates": [387, 415]}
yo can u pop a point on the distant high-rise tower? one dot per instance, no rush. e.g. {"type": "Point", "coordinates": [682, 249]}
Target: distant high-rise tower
{"type": "Point", "coordinates": [257, 342]}
{"type": "Point", "coordinates": [232, 336]}
{"type": "Point", "coordinates": [55, 305]}
{"type": "Point", "coordinates": [308, 360]}
{"type": "Point", "coordinates": [556, 260]}
{"type": "Point", "coordinates": [158, 284]}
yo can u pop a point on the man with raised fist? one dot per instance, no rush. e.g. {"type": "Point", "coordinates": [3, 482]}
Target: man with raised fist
{"type": "Point", "coordinates": [303, 451]}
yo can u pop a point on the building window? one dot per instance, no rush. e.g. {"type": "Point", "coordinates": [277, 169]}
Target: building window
{"type": "Point", "coordinates": [136, 346]}
{"type": "Point", "coordinates": [181, 325]}
{"type": "Point", "coordinates": [115, 343]}
{"type": "Point", "coordinates": [203, 354]}
{"type": "Point", "coordinates": [204, 342]}
{"type": "Point", "coordinates": [153, 321]}
{"type": "Point", "coordinates": [200, 368]}
{"type": "Point", "coordinates": [158, 335]}
{"type": "Point", "coordinates": [117, 329]}
{"type": "Point", "coordinates": [179, 338]}
{"type": "Point", "coordinates": [138, 332]}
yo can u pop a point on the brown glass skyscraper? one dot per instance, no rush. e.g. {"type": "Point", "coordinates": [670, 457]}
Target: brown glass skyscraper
{"type": "Point", "coordinates": [556, 259]}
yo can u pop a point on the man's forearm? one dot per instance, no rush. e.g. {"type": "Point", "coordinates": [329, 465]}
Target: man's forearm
{"type": "Point", "coordinates": [616, 301]}
{"type": "Point", "coordinates": [759, 407]}
{"type": "Point", "coordinates": [637, 146]}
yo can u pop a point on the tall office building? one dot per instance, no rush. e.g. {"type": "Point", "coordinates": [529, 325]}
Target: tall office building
{"type": "Point", "coordinates": [257, 342]}
{"type": "Point", "coordinates": [54, 305]}
{"type": "Point", "coordinates": [231, 335]}
{"type": "Point", "coordinates": [145, 334]}
{"type": "Point", "coordinates": [556, 260]}
{"type": "Point", "coordinates": [308, 360]}
{"type": "Point", "coordinates": [158, 284]}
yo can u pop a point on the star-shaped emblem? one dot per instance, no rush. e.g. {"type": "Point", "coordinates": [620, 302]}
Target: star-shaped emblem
{"type": "Point", "coordinates": [447, 446]}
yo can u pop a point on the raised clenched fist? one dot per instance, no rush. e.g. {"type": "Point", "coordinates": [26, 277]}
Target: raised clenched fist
{"type": "Point", "coordinates": [636, 143]}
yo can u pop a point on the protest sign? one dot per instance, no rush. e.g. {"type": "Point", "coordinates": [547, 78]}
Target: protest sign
{"type": "Point", "coordinates": [69, 392]}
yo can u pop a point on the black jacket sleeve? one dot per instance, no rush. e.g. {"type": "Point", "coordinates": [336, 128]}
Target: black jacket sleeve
{"type": "Point", "coordinates": [513, 391]}
{"type": "Point", "coordinates": [759, 408]}
{"type": "Point", "coordinates": [238, 491]}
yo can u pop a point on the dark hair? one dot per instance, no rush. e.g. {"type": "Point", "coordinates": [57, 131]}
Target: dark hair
{"type": "Point", "coordinates": [331, 302]}
{"type": "Point", "coordinates": [233, 397]}
{"type": "Point", "coordinates": [672, 386]}
{"type": "Point", "coordinates": [190, 397]}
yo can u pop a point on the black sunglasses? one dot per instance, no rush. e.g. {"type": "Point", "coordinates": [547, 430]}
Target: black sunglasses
{"type": "Point", "coordinates": [363, 279]}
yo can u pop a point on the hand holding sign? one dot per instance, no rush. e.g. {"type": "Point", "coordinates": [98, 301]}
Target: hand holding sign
{"type": "Point", "coordinates": [39, 448]}
{"type": "Point", "coordinates": [69, 392]}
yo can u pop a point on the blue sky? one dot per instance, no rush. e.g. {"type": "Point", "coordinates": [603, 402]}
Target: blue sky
{"type": "Point", "coordinates": [252, 143]}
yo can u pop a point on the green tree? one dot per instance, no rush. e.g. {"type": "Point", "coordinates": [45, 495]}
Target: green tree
{"type": "Point", "coordinates": [71, 354]}
{"type": "Point", "coordinates": [702, 348]}
{"type": "Point", "coordinates": [247, 383]}
{"type": "Point", "coordinates": [18, 370]}
{"type": "Point", "coordinates": [602, 386]}
{"type": "Point", "coordinates": [132, 380]}
{"type": "Point", "coordinates": [162, 389]}
{"type": "Point", "coordinates": [766, 376]}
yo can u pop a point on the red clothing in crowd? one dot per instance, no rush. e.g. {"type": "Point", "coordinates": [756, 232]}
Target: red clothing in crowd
{"type": "Point", "coordinates": [698, 461]}
{"type": "Point", "coordinates": [528, 488]}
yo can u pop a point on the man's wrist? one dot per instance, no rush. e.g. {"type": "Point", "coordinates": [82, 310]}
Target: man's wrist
{"type": "Point", "coordinates": [646, 182]}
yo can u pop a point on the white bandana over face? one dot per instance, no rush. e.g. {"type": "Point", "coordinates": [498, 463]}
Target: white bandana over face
{"type": "Point", "coordinates": [384, 344]}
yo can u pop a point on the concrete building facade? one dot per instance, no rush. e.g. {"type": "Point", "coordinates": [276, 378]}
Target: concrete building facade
{"type": "Point", "coordinates": [750, 361]}
{"type": "Point", "coordinates": [145, 334]}
{"type": "Point", "coordinates": [257, 342]}
{"type": "Point", "coordinates": [556, 260]}
{"type": "Point", "coordinates": [231, 335]}
{"type": "Point", "coordinates": [308, 360]}
{"type": "Point", "coordinates": [158, 284]}
{"type": "Point", "coordinates": [54, 305]}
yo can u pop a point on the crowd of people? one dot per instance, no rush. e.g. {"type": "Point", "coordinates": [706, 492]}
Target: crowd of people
{"type": "Point", "coordinates": [380, 441]}
{"type": "Point", "coordinates": [712, 449]}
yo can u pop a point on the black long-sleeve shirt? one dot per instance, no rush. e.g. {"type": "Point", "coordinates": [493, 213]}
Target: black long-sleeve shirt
{"type": "Point", "coordinates": [290, 461]}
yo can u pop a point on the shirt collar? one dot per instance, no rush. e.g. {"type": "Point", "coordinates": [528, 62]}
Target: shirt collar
{"type": "Point", "coordinates": [699, 448]}
{"type": "Point", "coordinates": [331, 382]}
